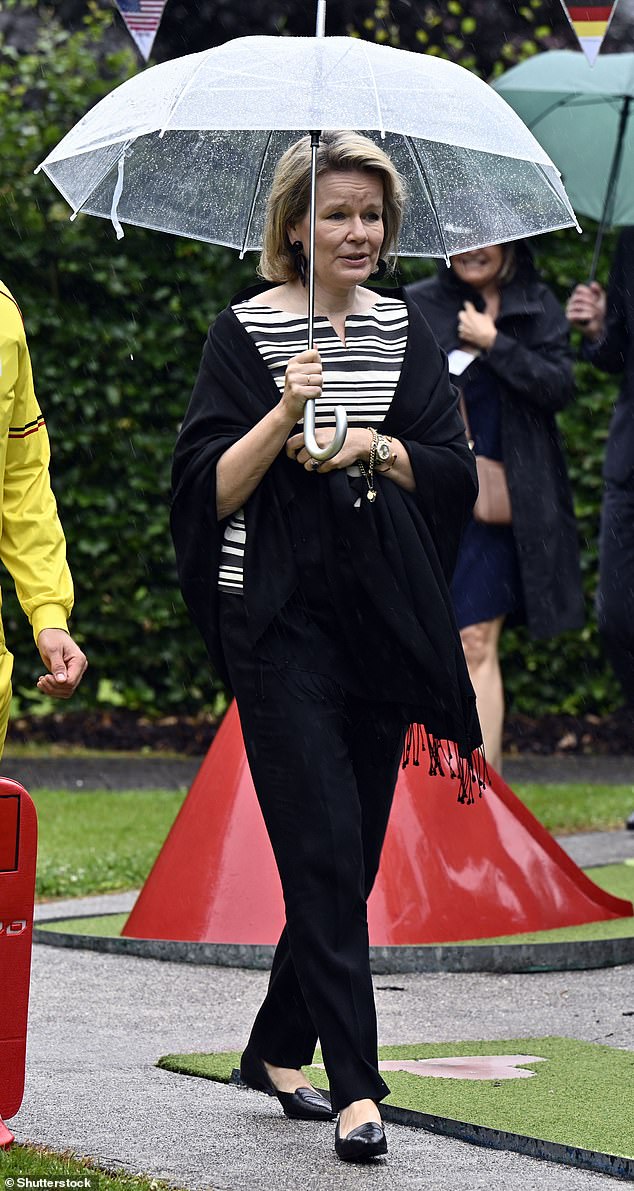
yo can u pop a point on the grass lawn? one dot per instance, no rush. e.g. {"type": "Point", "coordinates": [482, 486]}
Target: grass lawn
{"type": "Point", "coordinates": [37, 1162]}
{"type": "Point", "coordinates": [565, 809]}
{"type": "Point", "coordinates": [99, 841]}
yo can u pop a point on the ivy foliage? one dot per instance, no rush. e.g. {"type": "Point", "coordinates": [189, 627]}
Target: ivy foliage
{"type": "Point", "coordinates": [567, 674]}
{"type": "Point", "coordinates": [484, 36]}
{"type": "Point", "coordinates": [116, 330]}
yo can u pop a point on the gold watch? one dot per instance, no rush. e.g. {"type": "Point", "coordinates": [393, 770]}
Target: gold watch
{"type": "Point", "coordinates": [384, 453]}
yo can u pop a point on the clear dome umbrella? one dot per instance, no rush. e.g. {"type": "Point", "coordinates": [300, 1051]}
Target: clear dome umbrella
{"type": "Point", "coordinates": [190, 147]}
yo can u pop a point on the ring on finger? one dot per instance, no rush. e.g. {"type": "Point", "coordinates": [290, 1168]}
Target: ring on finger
{"type": "Point", "coordinates": [315, 464]}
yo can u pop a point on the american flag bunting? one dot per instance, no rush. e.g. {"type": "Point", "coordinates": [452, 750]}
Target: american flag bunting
{"type": "Point", "coordinates": [142, 18]}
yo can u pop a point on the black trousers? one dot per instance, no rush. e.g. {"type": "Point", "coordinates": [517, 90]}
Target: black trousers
{"type": "Point", "coordinates": [324, 764]}
{"type": "Point", "coordinates": [615, 596]}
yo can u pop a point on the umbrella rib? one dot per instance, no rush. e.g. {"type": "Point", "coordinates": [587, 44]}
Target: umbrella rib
{"type": "Point", "coordinates": [376, 92]}
{"type": "Point", "coordinates": [561, 103]}
{"type": "Point", "coordinates": [422, 173]}
{"type": "Point", "coordinates": [542, 170]}
{"type": "Point", "coordinates": [256, 191]}
{"type": "Point", "coordinates": [183, 91]}
{"type": "Point", "coordinates": [571, 101]}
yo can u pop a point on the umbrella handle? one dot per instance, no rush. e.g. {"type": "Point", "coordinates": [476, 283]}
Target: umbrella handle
{"type": "Point", "coordinates": [310, 442]}
{"type": "Point", "coordinates": [341, 421]}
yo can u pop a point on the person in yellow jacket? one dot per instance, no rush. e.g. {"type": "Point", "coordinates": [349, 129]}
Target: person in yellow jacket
{"type": "Point", "coordinates": [32, 544]}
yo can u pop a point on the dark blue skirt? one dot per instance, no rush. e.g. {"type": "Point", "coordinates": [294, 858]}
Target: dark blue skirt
{"type": "Point", "coordinates": [487, 581]}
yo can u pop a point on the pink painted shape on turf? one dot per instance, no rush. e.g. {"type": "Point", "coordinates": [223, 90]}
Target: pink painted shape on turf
{"type": "Point", "coordinates": [465, 1066]}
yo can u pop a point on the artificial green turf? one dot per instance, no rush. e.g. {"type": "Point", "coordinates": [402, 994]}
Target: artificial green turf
{"type": "Point", "coordinates": [563, 809]}
{"type": "Point", "coordinates": [616, 878]}
{"type": "Point", "coordinates": [104, 926]}
{"type": "Point", "coordinates": [581, 1096]}
{"type": "Point", "coordinates": [97, 841]}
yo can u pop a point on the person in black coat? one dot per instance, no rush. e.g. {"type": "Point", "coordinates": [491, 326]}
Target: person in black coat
{"type": "Point", "coordinates": [492, 306]}
{"type": "Point", "coordinates": [607, 324]}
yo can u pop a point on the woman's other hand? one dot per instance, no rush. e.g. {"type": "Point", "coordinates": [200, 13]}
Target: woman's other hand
{"type": "Point", "coordinates": [303, 379]}
{"type": "Point", "coordinates": [478, 330]}
{"type": "Point", "coordinates": [586, 309]}
{"type": "Point", "coordinates": [356, 446]}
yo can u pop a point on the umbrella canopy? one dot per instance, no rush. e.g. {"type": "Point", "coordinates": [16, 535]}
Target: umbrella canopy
{"type": "Point", "coordinates": [578, 113]}
{"type": "Point", "coordinates": [190, 146]}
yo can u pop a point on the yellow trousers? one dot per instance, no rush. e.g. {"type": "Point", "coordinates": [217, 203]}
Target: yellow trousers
{"type": "Point", "coordinates": [6, 667]}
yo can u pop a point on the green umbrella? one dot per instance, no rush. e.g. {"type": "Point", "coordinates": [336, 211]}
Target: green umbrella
{"type": "Point", "coordinates": [580, 114]}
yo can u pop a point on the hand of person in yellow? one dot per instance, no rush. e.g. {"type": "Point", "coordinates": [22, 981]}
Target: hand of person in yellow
{"type": "Point", "coordinates": [64, 660]}
{"type": "Point", "coordinates": [478, 330]}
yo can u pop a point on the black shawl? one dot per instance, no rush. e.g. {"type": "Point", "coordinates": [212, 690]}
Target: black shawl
{"type": "Point", "coordinates": [388, 563]}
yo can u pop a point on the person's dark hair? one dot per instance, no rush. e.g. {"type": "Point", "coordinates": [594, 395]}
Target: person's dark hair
{"type": "Point", "coordinates": [509, 264]}
{"type": "Point", "coordinates": [290, 195]}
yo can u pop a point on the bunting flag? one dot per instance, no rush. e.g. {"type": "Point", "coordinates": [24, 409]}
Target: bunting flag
{"type": "Point", "coordinates": [590, 21]}
{"type": "Point", "coordinates": [142, 18]}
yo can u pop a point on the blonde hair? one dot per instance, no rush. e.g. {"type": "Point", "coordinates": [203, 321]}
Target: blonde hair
{"type": "Point", "coordinates": [290, 195]}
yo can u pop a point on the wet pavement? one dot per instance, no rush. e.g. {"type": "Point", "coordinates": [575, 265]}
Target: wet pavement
{"type": "Point", "coordinates": [98, 1024]}
{"type": "Point", "coordinates": [137, 772]}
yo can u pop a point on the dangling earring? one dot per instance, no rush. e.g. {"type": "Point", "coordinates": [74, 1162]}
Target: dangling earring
{"type": "Point", "coordinates": [380, 270]}
{"type": "Point", "coordinates": [299, 260]}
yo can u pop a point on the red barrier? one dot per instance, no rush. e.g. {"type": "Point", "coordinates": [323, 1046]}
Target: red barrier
{"type": "Point", "coordinates": [18, 853]}
{"type": "Point", "coordinates": [448, 872]}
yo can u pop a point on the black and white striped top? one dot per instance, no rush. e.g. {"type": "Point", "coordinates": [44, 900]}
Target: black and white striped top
{"type": "Point", "coordinates": [361, 375]}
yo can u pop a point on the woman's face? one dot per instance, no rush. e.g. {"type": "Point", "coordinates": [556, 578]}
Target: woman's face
{"type": "Point", "coordinates": [480, 267]}
{"type": "Point", "coordinates": [348, 227]}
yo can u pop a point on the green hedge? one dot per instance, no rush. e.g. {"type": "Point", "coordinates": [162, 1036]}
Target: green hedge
{"type": "Point", "coordinates": [116, 330]}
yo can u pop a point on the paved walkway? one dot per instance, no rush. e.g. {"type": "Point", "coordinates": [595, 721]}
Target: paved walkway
{"type": "Point", "coordinates": [98, 1024]}
{"type": "Point", "coordinates": [135, 772]}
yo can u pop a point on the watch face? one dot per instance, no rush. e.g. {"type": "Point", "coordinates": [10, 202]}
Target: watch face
{"type": "Point", "coordinates": [383, 451]}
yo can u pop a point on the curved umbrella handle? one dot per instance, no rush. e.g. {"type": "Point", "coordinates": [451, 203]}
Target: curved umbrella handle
{"type": "Point", "coordinates": [332, 448]}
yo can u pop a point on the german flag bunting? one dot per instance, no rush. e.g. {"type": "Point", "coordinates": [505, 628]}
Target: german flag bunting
{"type": "Point", "coordinates": [590, 22]}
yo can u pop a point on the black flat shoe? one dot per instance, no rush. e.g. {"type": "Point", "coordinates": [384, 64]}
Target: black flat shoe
{"type": "Point", "coordinates": [361, 1144]}
{"type": "Point", "coordinates": [303, 1105]}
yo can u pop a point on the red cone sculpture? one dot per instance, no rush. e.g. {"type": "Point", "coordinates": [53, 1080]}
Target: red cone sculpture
{"type": "Point", "coordinates": [448, 871]}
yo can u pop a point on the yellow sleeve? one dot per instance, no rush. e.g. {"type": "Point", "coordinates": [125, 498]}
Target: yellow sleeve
{"type": "Point", "coordinates": [32, 544]}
